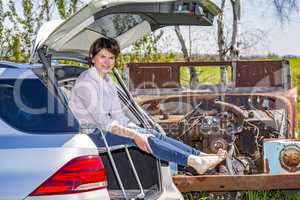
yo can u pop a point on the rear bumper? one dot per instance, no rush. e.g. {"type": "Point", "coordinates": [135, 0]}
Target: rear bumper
{"type": "Point", "coordinates": [93, 195]}
{"type": "Point", "coordinates": [170, 196]}
{"type": "Point", "coordinates": [212, 183]}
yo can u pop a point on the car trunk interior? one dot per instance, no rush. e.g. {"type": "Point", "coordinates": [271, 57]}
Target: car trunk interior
{"type": "Point", "coordinates": [146, 167]}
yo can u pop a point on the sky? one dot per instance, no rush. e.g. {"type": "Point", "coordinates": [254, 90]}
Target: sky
{"type": "Point", "coordinates": [282, 39]}
{"type": "Point", "coordinates": [259, 24]}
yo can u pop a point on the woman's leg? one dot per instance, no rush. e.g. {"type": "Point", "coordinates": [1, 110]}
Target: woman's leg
{"type": "Point", "coordinates": [113, 140]}
{"type": "Point", "coordinates": [165, 151]}
{"type": "Point", "coordinates": [176, 143]}
{"type": "Point", "coordinates": [160, 148]}
{"type": "Point", "coordinates": [168, 152]}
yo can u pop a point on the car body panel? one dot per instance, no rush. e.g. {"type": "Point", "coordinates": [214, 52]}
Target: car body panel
{"type": "Point", "coordinates": [169, 189]}
{"type": "Point", "coordinates": [93, 195]}
{"type": "Point", "coordinates": [279, 152]}
{"type": "Point", "coordinates": [30, 159]}
{"type": "Point", "coordinates": [8, 64]}
{"type": "Point", "coordinates": [27, 160]}
{"type": "Point", "coordinates": [13, 73]}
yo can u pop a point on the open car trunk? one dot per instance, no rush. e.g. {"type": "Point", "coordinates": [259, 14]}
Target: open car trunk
{"type": "Point", "coordinates": [147, 169]}
{"type": "Point", "coordinates": [126, 21]}
{"type": "Point", "coordinates": [146, 166]}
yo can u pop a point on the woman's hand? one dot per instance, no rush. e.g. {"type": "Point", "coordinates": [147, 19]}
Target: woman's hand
{"type": "Point", "coordinates": [141, 140]}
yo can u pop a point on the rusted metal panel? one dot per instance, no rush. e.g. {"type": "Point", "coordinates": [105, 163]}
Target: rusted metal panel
{"type": "Point", "coordinates": [291, 96]}
{"type": "Point", "coordinates": [151, 77]}
{"type": "Point", "coordinates": [246, 73]}
{"type": "Point", "coordinates": [179, 64]}
{"type": "Point", "coordinates": [259, 74]}
{"type": "Point", "coordinates": [213, 183]}
{"type": "Point", "coordinates": [160, 75]}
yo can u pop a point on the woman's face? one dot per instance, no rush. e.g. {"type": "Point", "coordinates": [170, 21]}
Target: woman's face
{"type": "Point", "coordinates": [104, 61]}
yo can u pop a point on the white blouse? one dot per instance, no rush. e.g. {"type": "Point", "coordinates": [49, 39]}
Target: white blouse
{"type": "Point", "coordinates": [94, 101]}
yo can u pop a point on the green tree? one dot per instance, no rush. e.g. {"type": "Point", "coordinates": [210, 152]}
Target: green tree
{"type": "Point", "coordinates": [22, 32]}
{"type": "Point", "coordinates": [17, 54]}
{"type": "Point", "coordinates": [25, 24]}
{"type": "Point", "coordinates": [61, 8]}
{"type": "Point", "coordinates": [73, 6]}
{"type": "Point", "coordinates": [44, 14]}
{"type": "Point", "coordinates": [66, 9]}
{"type": "Point", "coordinates": [146, 50]}
{"type": "Point", "coordinates": [1, 28]}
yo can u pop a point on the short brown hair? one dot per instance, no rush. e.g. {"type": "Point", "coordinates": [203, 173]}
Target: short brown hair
{"type": "Point", "coordinates": [103, 43]}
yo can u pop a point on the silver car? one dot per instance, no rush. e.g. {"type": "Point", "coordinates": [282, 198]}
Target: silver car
{"type": "Point", "coordinates": [44, 152]}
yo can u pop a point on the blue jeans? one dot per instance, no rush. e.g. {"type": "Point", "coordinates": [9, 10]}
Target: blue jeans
{"type": "Point", "coordinates": [163, 147]}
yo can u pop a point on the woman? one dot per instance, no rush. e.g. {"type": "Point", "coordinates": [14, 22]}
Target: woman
{"type": "Point", "coordinates": [94, 100]}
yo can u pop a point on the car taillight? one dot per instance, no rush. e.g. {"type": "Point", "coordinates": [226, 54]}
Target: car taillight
{"type": "Point", "coordinates": [82, 174]}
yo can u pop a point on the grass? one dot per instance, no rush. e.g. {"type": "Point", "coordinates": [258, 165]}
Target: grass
{"type": "Point", "coordinates": [206, 75]}
{"type": "Point", "coordinates": [273, 195]}
{"type": "Point", "coordinates": [295, 74]}
{"type": "Point", "coordinates": [196, 196]}
{"type": "Point", "coordinates": [250, 195]}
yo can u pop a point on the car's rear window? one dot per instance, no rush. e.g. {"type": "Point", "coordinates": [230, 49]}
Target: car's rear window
{"type": "Point", "coordinates": [26, 105]}
{"type": "Point", "coordinates": [115, 24]}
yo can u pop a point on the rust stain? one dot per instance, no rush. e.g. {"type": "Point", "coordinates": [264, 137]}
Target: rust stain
{"type": "Point", "coordinates": [266, 166]}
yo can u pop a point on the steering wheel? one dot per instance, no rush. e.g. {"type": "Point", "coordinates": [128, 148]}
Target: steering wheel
{"type": "Point", "coordinates": [198, 117]}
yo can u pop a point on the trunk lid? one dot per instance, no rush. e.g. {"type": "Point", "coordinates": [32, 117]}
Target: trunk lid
{"type": "Point", "coordinates": [124, 20]}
